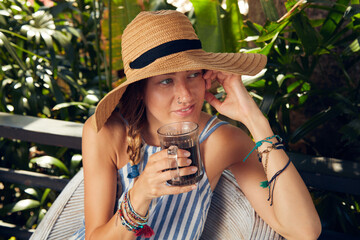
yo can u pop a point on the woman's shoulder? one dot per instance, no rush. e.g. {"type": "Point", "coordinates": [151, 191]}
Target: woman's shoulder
{"type": "Point", "coordinates": [225, 131]}
{"type": "Point", "coordinates": [114, 125]}
{"type": "Point", "coordinates": [228, 142]}
{"type": "Point", "coordinates": [111, 139]}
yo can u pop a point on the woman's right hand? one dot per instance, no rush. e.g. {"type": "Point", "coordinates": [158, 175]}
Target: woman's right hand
{"type": "Point", "coordinates": [152, 182]}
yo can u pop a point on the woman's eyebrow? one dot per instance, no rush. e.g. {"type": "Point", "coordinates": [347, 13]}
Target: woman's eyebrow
{"type": "Point", "coordinates": [167, 74]}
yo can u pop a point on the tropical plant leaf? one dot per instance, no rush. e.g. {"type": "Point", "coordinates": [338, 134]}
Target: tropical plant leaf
{"type": "Point", "coordinates": [314, 122]}
{"type": "Point", "coordinates": [70, 104]}
{"type": "Point", "coordinates": [32, 219]}
{"type": "Point", "coordinates": [271, 30]}
{"type": "Point", "coordinates": [45, 196]}
{"type": "Point", "coordinates": [352, 48]}
{"type": "Point", "coordinates": [68, 77]}
{"type": "Point", "coordinates": [75, 162]}
{"type": "Point", "coordinates": [270, 10]}
{"type": "Point", "coordinates": [21, 205]}
{"type": "Point", "coordinates": [208, 25]}
{"type": "Point", "coordinates": [41, 215]}
{"type": "Point", "coordinates": [49, 162]}
{"type": "Point", "coordinates": [122, 12]}
{"type": "Point", "coordinates": [91, 99]}
{"type": "Point", "coordinates": [233, 27]}
{"type": "Point", "coordinates": [249, 80]}
{"type": "Point", "coordinates": [5, 42]}
{"type": "Point", "coordinates": [32, 192]}
{"type": "Point", "coordinates": [333, 19]}
{"type": "Point", "coordinates": [268, 98]}
{"type": "Point", "coordinates": [266, 50]}
{"type": "Point", "coordinates": [351, 130]}
{"type": "Point", "coordinates": [306, 33]}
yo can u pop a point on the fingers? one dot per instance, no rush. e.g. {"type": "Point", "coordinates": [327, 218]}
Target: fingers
{"type": "Point", "coordinates": [167, 189]}
{"type": "Point", "coordinates": [210, 98]}
{"type": "Point", "coordinates": [181, 153]}
{"type": "Point", "coordinates": [184, 171]}
{"type": "Point", "coordinates": [160, 160]}
{"type": "Point", "coordinates": [210, 76]}
{"type": "Point", "coordinates": [172, 190]}
{"type": "Point", "coordinates": [219, 76]}
{"type": "Point", "coordinates": [153, 180]}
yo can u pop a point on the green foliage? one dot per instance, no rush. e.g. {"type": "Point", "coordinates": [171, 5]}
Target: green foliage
{"type": "Point", "coordinates": [312, 73]}
{"type": "Point", "coordinates": [298, 47]}
{"type": "Point", "coordinates": [218, 29]}
{"type": "Point", "coordinates": [45, 61]}
{"type": "Point", "coordinates": [338, 212]}
{"type": "Point", "coordinates": [48, 68]}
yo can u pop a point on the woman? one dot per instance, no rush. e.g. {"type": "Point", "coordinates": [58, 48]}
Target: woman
{"type": "Point", "coordinates": [167, 82]}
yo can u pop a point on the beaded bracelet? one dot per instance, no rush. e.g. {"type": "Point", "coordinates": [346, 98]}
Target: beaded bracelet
{"type": "Point", "coordinates": [132, 212]}
{"type": "Point", "coordinates": [132, 220]}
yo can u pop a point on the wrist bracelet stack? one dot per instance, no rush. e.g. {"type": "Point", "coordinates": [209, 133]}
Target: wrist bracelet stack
{"type": "Point", "coordinates": [132, 220]}
{"type": "Point", "coordinates": [278, 145]}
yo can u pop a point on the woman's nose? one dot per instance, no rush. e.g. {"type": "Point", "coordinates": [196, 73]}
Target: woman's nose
{"type": "Point", "coordinates": [183, 93]}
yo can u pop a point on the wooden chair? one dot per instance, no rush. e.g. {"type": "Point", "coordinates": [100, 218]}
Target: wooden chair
{"type": "Point", "coordinates": [230, 216]}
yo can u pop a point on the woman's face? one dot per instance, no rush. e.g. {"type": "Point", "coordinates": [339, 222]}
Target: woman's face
{"type": "Point", "coordinates": [174, 97]}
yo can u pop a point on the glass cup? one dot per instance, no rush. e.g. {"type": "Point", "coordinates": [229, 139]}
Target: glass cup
{"type": "Point", "coordinates": [183, 135]}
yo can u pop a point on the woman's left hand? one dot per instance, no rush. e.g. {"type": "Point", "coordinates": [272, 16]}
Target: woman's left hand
{"type": "Point", "coordinates": [238, 104]}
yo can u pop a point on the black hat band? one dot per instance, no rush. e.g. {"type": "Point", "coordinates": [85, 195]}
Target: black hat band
{"type": "Point", "coordinates": [163, 50]}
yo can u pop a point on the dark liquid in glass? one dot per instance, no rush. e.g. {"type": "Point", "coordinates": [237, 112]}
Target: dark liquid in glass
{"type": "Point", "coordinates": [192, 178]}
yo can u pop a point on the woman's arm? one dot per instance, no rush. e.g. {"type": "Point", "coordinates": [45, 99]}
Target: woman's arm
{"type": "Point", "coordinates": [292, 214]}
{"type": "Point", "coordinates": [100, 182]}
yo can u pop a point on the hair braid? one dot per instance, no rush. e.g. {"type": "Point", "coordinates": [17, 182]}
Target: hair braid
{"type": "Point", "coordinates": [132, 109]}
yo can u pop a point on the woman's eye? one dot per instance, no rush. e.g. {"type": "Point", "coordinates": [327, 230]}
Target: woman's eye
{"type": "Point", "coordinates": [194, 75]}
{"type": "Point", "coordinates": [166, 81]}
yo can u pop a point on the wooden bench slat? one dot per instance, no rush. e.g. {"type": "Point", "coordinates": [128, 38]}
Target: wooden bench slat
{"type": "Point", "coordinates": [32, 179]}
{"type": "Point", "coordinates": [41, 130]}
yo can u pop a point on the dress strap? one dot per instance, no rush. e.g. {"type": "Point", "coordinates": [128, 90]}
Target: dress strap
{"type": "Point", "coordinates": [208, 130]}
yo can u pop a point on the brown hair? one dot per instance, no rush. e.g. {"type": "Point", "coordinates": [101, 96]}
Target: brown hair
{"type": "Point", "coordinates": [132, 109]}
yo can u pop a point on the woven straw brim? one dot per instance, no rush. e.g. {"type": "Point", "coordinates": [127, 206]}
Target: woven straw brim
{"type": "Point", "coordinates": [238, 63]}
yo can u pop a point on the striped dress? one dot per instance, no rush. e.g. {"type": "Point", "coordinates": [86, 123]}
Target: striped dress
{"type": "Point", "coordinates": [179, 216]}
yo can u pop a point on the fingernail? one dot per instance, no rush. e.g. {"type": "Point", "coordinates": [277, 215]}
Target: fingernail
{"type": "Point", "coordinates": [194, 187]}
{"type": "Point", "coordinates": [188, 161]}
{"type": "Point", "coordinates": [187, 154]}
{"type": "Point", "coordinates": [194, 169]}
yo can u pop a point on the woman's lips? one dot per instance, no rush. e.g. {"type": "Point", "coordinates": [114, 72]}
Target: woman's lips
{"type": "Point", "coordinates": [185, 111]}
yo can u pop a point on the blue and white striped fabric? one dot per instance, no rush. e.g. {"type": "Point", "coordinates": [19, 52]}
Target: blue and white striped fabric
{"type": "Point", "coordinates": [179, 216]}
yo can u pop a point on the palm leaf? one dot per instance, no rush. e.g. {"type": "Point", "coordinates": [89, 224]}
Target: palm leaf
{"type": "Point", "coordinates": [48, 162]}
{"type": "Point", "coordinates": [306, 33]}
{"type": "Point", "coordinates": [21, 205]}
{"type": "Point", "coordinates": [331, 23]}
{"type": "Point", "coordinates": [270, 10]}
{"type": "Point", "coordinates": [4, 41]}
{"type": "Point", "coordinates": [208, 25]}
{"type": "Point", "coordinates": [314, 122]}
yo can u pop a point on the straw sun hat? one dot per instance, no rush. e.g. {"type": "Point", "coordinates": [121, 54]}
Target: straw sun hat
{"type": "Point", "coordinates": [156, 43]}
